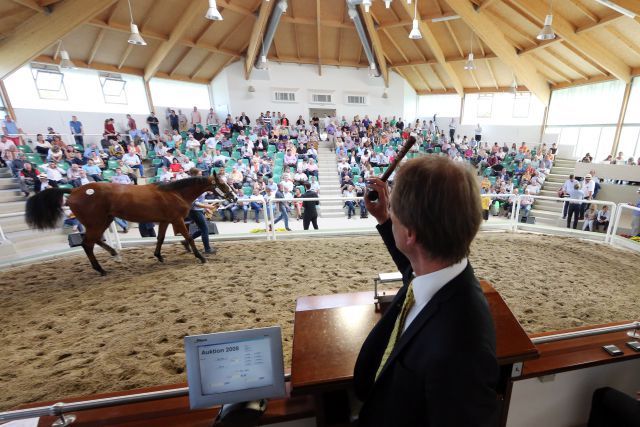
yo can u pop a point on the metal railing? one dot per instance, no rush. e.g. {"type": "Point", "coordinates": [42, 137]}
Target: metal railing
{"type": "Point", "coordinates": [586, 333]}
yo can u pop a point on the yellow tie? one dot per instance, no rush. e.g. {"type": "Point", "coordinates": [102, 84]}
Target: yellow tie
{"type": "Point", "coordinates": [409, 301]}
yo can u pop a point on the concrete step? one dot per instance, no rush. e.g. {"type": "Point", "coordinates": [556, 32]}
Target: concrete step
{"type": "Point", "coordinates": [5, 173]}
{"type": "Point", "coordinates": [541, 213]}
{"type": "Point", "coordinates": [29, 239]}
{"type": "Point", "coordinates": [11, 207]}
{"type": "Point", "coordinates": [13, 224]}
{"type": "Point", "coordinates": [11, 195]}
{"type": "Point", "coordinates": [9, 183]}
{"type": "Point", "coordinates": [562, 170]}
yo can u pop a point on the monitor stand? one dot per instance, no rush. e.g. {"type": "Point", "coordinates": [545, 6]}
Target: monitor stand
{"type": "Point", "coordinates": [241, 414]}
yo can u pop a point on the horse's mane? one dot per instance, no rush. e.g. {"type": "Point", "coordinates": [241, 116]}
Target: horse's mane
{"type": "Point", "coordinates": [183, 183]}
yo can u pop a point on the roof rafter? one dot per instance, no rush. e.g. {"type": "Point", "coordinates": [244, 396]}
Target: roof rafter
{"type": "Point", "coordinates": [378, 51]}
{"type": "Point", "coordinates": [194, 9]}
{"type": "Point", "coordinates": [256, 38]}
{"type": "Point", "coordinates": [319, 38]}
{"type": "Point", "coordinates": [585, 10]}
{"type": "Point", "coordinates": [430, 38]}
{"type": "Point", "coordinates": [487, 30]}
{"type": "Point", "coordinates": [493, 76]}
{"type": "Point", "coordinates": [125, 55]}
{"type": "Point", "coordinates": [96, 45]}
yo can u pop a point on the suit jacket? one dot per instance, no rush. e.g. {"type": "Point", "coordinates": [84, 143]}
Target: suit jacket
{"type": "Point", "coordinates": [443, 370]}
{"type": "Point", "coordinates": [310, 206]}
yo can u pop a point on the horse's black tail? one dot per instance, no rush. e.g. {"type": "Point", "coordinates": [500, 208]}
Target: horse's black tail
{"type": "Point", "coordinates": [44, 210]}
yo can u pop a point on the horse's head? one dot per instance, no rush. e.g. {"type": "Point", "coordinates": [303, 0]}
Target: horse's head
{"type": "Point", "coordinates": [221, 188]}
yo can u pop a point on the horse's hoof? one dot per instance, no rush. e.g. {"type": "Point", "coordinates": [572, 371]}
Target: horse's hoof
{"type": "Point", "coordinates": [117, 258]}
{"type": "Point", "coordinates": [186, 245]}
{"type": "Point", "coordinates": [103, 273]}
{"type": "Point", "coordinates": [202, 260]}
{"type": "Point", "coordinates": [160, 258]}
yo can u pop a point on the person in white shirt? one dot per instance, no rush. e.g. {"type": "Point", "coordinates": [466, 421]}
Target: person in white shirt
{"type": "Point", "coordinates": [121, 178]}
{"type": "Point", "coordinates": [452, 129]}
{"type": "Point", "coordinates": [602, 219]}
{"type": "Point", "coordinates": [478, 133]}
{"type": "Point", "coordinates": [589, 219]}
{"type": "Point", "coordinates": [564, 191]}
{"type": "Point", "coordinates": [219, 159]}
{"type": "Point", "coordinates": [212, 118]}
{"type": "Point", "coordinates": [132, 160]}
{"type": "Point", "coordinates": [588, 188]}
{"type": "Point", "coordinates": [193, 144]}
{"type": "Point", "coordinates": [55, 174]}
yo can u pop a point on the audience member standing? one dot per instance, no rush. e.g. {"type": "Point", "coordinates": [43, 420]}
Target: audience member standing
{"type": "Point", "coordinates": [77, 131]}
{"type": "Point", "coordinates": [310, 212]}
{"type": "Point", "coordinates": [478, 133]}
{"type": "Point", "coordinates": [574, 207]}
{"type": "Point", "coordinates": [196, 119]}
{"type": "Point", "coordinates": [153, 123]}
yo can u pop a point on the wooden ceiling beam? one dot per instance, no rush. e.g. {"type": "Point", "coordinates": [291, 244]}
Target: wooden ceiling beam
{"type": "Point", "coordinates": [569, 65]}
{"type": "Point", "coordinates": [312, 22]}
{"type": "Point", "coordinates": [610, 19]}
{"type": "Point", "coordinates": [435, 74]}
{"type": "Point", "coordinates": [542, 45]}
{"type": "Point", "coordinates": [586, 59]}
{"type": "Point", "coordinates": [96, 45]}
{"type": "Point", "coordinates": [435, 47]}
{"type": "Point", "coordinates": [416, 70]}
{"type": "Point", "coordinates": [296, 37]}
{"type": "Point", "coordinates": [475, 80]}
{"type": "Point", "coordinates": [487, 30]}
{"type": "Point", "coordinates": [201, 65]}
{"type": "Point", "coordinates": [125, 55]}
{"type": "Point", "coordinates": [427, 19]}
{"type": "Point", "coordinates": [38, 32]}
{"type": "Point", "coordinates": [552, 68]}
{"type": "Point", "coordinates": [180, 61]}
{"type": "Point", "coordinates": [33, 5]}
{"type": "Point", "coordinates": [582, 82]}
{"type": "Point", "coordinates": [583, 42]}
{"type": "Point", "coordinates": [585, 10]}
{"type": "Point", "coordinates": [408, 80]}
{"type": "Point", "coordinates": [630, 5]}
{"type": "Point", "coordinates": [228, 4]}
{"type": "Point", "coordinates": [256, 38]}
{"type": "Point", "coordinates": [501, 89]}
{"type": "Point", "coordinates": [635, 48]}
{"type": "Point", "coordinates": [314, 61]}
{"type": "Point", "coordinates": [455, 39]}
{"type": "Point", "coordinates": [493, 76]}
{"type": "Point", "coordinates": [376, 45]}
{"type": "Point", "coordinates": [183, 24]}
{"type": "Point", "coordinates": [434, 61]}
{"type": "Point", "coordinates": [227, 62]}
{"type": "Point", "coordinates": [485, 4]}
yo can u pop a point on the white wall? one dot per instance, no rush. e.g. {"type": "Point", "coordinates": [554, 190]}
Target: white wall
{"type": "Point", "coordinates": [231, 89]}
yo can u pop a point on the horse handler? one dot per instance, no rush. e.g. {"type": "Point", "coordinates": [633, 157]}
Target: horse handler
{"type": "Point", "coordinates": [196, 214]}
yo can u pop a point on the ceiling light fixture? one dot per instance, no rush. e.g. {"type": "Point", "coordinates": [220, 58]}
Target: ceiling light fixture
{"type": "Point", "coordinates": [213, 13]}
{"type": "Point", "coordinates": [65, 61]}
{"type": "Point", "coordinates": [415, 29]}
{"type": "Point", "coordinates": [514, 86]}
{"type": "Point", "coordinates": [617, 8]}
{"type": "Point", "coordinates": [546, 33]}
{"type": "Point", "coordinates": [387, 3]}
{"type": "Point", "coordinates": [135, 37]}
{"type": "Point", "coordinates": [469, 65]}
{"type": "Point", "coordinates": [366, 4]}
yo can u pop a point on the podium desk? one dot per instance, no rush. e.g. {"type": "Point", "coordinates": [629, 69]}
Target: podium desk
{"type": "Point", "coordinates": [329, 331]}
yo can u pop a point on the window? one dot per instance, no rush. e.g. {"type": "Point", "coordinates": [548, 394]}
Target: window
{"type": "Point", "coordinates": [485, 105]}
{"type": "Point", "coordinates": [284, 96]}
{"type": "Point", "coordinates": [442, 105]}
{"type": "Point", "coordinates": [321, 98]}
{"type": "Point", "coordinates": [179, 95]}
{"type": "Point", "coordinates": [594, 104]}
{"type": "Point", "coordinates": [113, 89]}
{"type": "Point", "coordinates": [356, 99]}
{"type": "Point", "coordinates": [521, 104]}
{"type": "Point", "coordinates": [49, 82]}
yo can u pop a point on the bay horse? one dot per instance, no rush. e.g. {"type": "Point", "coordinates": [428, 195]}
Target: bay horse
{"type": "Point", "coordinates": [96, 204]}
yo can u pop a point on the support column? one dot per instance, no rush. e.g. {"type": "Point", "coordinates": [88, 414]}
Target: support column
{"type": "Point", "coordinates": [7, 101]}
{"type": "Point", "coordinates": [147, 91]}
{"type": "Point", "coordinates": [623, 112]}
{"type": "Point", "coordinates": [210, 89]}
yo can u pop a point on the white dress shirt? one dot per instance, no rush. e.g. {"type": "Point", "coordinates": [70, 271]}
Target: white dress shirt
{"type": "Point", "coordinates": [427, 285]}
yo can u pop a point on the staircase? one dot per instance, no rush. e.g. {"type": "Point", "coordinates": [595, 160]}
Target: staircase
{"type": "Point", "coordinates": [329, 182]}
{"type": "Point", "coordinates": [549, 212]}
{"type": "Point", "coordinates": [20, 238]}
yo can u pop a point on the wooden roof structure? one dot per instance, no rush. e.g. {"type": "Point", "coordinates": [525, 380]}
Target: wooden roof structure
{"type": "Point", "coordinates": [594, 43]}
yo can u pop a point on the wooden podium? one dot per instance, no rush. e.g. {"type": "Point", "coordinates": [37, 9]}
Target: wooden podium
{"type": "Point", "coordinates": [329, 331]}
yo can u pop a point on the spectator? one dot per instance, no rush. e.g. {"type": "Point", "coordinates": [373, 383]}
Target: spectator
{"type": "Point", "coordinates": [174, 121]}
{"type": "Point", "coordinates": [589, 219]}
{"type": "Point", "coordinates": [153, 123]}
{"type": "Point", "coordinates": [73, 175]}
{"type": "Point", "coordinates": [55, 174]}
{"type": "Point", "coordinates": [602, 218]}
{"type": "Point", "coordinates": [196, 119]}
{"type": "Point", "coordinates": [310, 212]}
{"type": "Point", "coordinates": [109, 132]}
{"type": "Point", "coordinates": [526, 202]}
{"type": "Point", "coordinates": [574, 206]}
{"type": "Point", "coordinates": [349, 194]}
{"type": "Point", "coordinates": [77, 131]}
{"type": "Point", "coordinates": [92, 170]}
{"type": "Point", "coordinates": [564, 191]}
{"type": "Point", "coordinates": [11, 130]}
{"type": "Point", "coordinates": [29, 180]}
{"type": "Point", "coordinates": [588, 188]}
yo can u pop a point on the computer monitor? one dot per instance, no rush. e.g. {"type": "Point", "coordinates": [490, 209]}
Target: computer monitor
{"type": "Point", "coordinates": [231, 367]}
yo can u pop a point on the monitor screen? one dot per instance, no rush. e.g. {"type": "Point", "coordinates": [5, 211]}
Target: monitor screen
{"type": "Point", "coordinates": [238, 366]}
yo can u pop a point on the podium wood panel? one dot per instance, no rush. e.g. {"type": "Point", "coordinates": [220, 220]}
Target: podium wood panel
{"type": "Point", "coordinates": [329, 331]}
{"type": "Point", "coordinates": [173, 412]}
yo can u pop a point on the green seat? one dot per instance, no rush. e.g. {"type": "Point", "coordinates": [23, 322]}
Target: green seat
{"type": "Point", "coordinates": [34, 158]}
{"type": "Point", "coordinates": [107, 174]}
{"type": "Point", "coordinates": [42, 168]}
{"type": "Point", "coordinates": [156, 163]}
{"type": "Point", "coordinates": [301, 188]}
{"type": "Point", "coordinates": [63, 165]}
{"type": "Point", "coordinates": [377, 171]}
{"type": "Point", "coordinates": [78, 147]}
{"type": "Point", "coordinates": [151, 180]}
{"type": "Point", "coordinates": [25, 149]}
{"type": "Point", "coordinates": [65, 186]}
{"type": "Point", "coordinates": [247, 191]}
{"type": "Point", "coordinates": [184, 135]}
{"type": "Point", "coordinates": [355, 170]}
{"type": "Point", "coordinates": [236, 155]}
{"type": "Point", "coordinates": [151, 154]}
{"type": "Point", "coordinates": [112, 164]}
{"type": "Point", "coordinates": [437, 150]}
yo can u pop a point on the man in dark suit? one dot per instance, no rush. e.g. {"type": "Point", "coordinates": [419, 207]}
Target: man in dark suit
{"type": "Point", "coordinates": [310, 213]}
{"type": "Point", "coordinates": [430, 360]}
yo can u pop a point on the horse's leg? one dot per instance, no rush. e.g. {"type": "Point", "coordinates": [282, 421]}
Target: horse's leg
{"type": "Point", "coordinates": [91, 237]}
{"type": "Point", "coordinates": [162, 229]}
{"type": "Point", "coordinates": [180, 227]}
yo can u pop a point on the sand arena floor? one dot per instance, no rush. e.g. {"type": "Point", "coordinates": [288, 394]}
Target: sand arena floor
{"type": "Point", "coordinates": [65, 331]}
